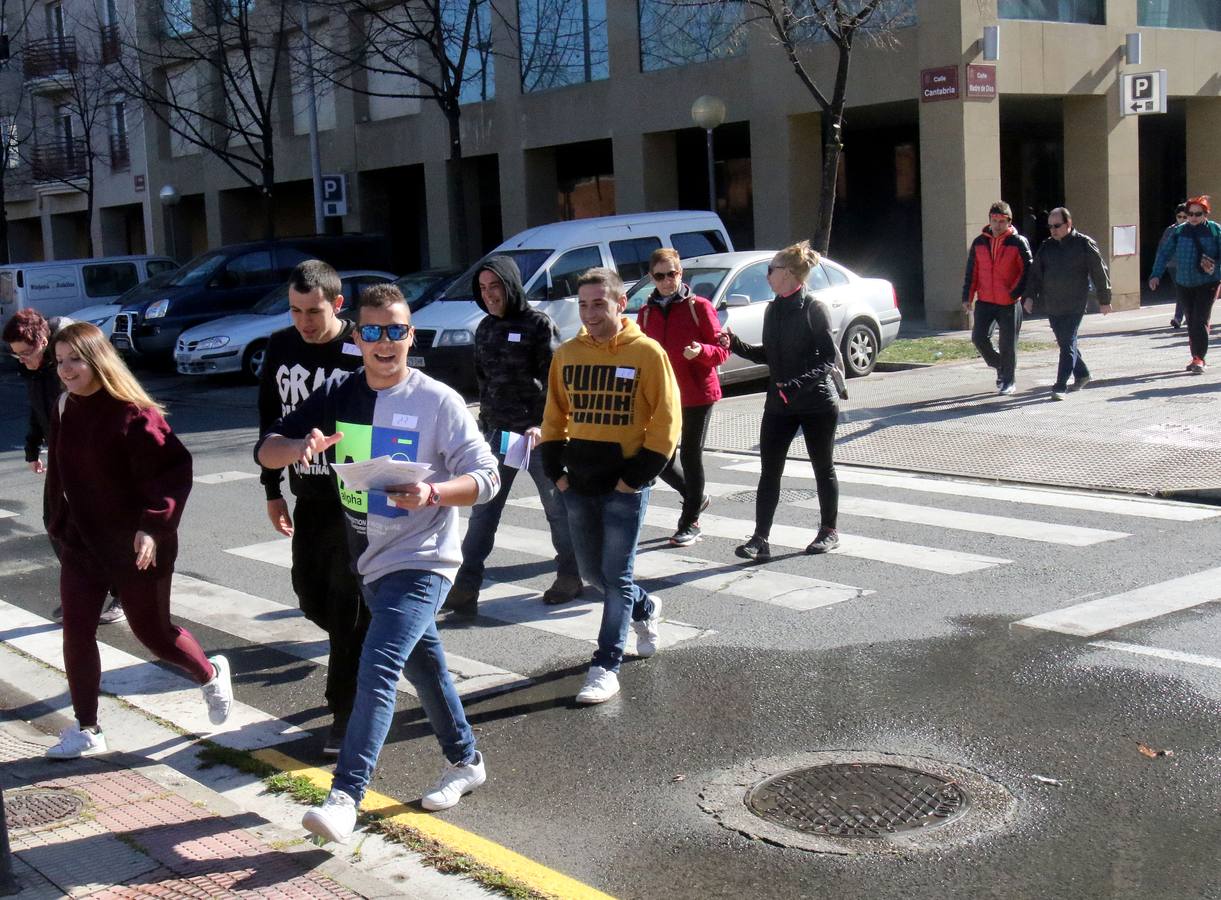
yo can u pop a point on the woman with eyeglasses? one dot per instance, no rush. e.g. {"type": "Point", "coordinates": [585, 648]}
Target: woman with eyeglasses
{"type": "Point", "coordinates": [801, 356]}
{"type": "Point", "coordinates": [1180, 216]}
{"type": "Point", "coordinates": [686, 326]}
{"type": "Point", "coordinates": [119, 479]}
{"type": "Point", "coordinates": [29, 337]}
{"type": "Point", "coordinates": [1196, 247]}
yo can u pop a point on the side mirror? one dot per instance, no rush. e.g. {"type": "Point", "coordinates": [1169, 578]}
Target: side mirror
{"type": "Point", "coordinates": [737, 300]}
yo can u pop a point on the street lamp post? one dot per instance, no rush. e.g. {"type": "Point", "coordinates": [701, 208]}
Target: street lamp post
{"type": "Point", "coordinates": [169, 199]}
{"type": "Point", "coordinates": [708, 112]}
{"type": "Point", "coordinates": [315, 157]}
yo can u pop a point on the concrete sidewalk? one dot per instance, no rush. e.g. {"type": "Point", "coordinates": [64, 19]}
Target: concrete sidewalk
{"type": "Point", "coordinates": [1142, 426]}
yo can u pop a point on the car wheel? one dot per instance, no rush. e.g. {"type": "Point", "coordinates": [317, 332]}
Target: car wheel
{"type": "Point", "coordinates": [860, 348]}
{"type": "Point", "coordinates": [252, 362]}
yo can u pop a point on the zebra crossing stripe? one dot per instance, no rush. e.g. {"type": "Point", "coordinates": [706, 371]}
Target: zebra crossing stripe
{"type": "Point", "coordinates": [7, 514]}
{"type": "Point", "coordinates": [1003, 526]}
{"type": "Point", "coordinates": [1148, 602]}
{"type": "Point", "coordinates": [146, 685]}
{"type": "Point", "coordinates": [270, 624]}
{"type": "Point", "coordinates": [1142, 507]}
{"type": "Point", "coordinates": [796, 592]}
{"type": "Point", "coordinates": [928, 559]}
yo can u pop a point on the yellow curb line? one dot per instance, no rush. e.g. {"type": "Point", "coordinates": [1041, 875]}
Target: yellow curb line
{"type": "Point", "coordinates": [489, 853]}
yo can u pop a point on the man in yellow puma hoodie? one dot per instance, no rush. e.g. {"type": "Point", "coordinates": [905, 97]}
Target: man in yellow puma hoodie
{"type": "Point", "coordinates": [611, 422]}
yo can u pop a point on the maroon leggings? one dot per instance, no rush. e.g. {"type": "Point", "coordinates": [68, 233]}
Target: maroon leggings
{"type": "Point", "coordinates": [83, 587]}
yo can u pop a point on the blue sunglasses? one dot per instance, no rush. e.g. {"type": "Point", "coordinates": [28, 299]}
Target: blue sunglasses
{"type": "Point", "coordinates": [373, 333]}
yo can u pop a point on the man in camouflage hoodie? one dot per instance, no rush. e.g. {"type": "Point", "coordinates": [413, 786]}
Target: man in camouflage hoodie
{"type": "Point", "coordinates": [513, 348]}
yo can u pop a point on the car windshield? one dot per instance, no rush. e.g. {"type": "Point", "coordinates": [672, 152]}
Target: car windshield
{"type": "Point", "coordinates": [274, 303]}
{"type": "Point", "coordinates": [198, 270]}
{"type": "Point", "coordinates": [161, 279]}
{"type": "Point", "coordinates": [703, 282]}
{"type": "Point", "coordinates": [528, 262]}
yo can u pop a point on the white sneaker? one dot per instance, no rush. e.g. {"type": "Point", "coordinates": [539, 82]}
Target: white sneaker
{"type": "Point", "coordinates": [75, 742]}
{"type": "Point", "coordinates": [112, 613]}
{"type": "Point", "coordinates": [646, 631]}
{"type": "Point", "coordinates": [456, 780]}
{"type": "Point", "coordinates": [600, 686]}
{"type": "Point", "coordinates": [218, 693]}
{"type": "Point", "coordinates": [334, 820]}
{"type": "Point", "coordinates": [1059, 395]}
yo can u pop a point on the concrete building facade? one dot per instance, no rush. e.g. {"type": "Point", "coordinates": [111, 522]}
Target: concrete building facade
{"type": "Point", "coordinates": [604, 125]}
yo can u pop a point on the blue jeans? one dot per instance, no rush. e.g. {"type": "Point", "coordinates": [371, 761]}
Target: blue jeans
{"type": "Point", "coordinates": [1008, 321]}
{"type": "Point", "coordinates": [605, 529]}
{"type": "Point", "coordinates": [481, 528]}
{"type": "Point", "coordinates": [402, 637]}
{"type": "Point", "coordinates": [1065, 329]}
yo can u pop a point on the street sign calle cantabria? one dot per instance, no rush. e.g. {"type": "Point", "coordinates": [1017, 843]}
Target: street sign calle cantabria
{"type": "Point", "coordinates": [939, 84]}
{"type": "Point", "coordinates": [1143, 93]}
{"type": "Point", "coordinates": [334, 195]}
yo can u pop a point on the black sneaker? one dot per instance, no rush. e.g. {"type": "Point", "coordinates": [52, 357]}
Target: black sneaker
{"type": "Point", "coordinates": [564, 589]}
{"type": "Point", "coordinates": [827, 540]}
{"type": "Point", "coordinates": [756, 548]}
{"type": "Point", "coordinates": [334, 738]}
{"type": "Point", "coordinates": [462, 602]}
{"type": "Point", "coordinates": [686, 535]}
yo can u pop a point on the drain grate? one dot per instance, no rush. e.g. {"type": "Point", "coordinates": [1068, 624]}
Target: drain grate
{"type": "Point", "coordinates": [857, 800]}
{"type": "Point", "coordinates": [37, 807]}
{"type": "Point", "coordinates": [787, 495]}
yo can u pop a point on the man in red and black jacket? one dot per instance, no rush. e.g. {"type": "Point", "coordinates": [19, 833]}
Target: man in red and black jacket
{"type": "Point", "coordinates": [997, 264]}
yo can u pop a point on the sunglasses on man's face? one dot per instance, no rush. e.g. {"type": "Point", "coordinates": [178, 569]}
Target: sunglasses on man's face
{"type": "Point", "coordinates": [371, 334]}
{"type": "Point", "coordinates": [663, 276]}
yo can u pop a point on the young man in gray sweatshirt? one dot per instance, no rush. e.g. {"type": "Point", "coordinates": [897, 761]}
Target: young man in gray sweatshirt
{"type": "Point", "coordinates": [404, 541]}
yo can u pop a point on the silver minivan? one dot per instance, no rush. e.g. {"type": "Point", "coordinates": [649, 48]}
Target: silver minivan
{"type": "Point", "coordinates": [64, 286]}
{"type": "Point", "coordinates": [551, 258]}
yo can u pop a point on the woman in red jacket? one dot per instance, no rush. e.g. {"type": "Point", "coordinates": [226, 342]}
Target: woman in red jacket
{"type": "Point", "coordinates": [118, 479]}
{"type": "Point", "coordinates": [687, 327]}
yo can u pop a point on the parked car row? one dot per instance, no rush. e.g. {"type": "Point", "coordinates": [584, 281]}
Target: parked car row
{"type": "Point", "coordinates": [215, 314]}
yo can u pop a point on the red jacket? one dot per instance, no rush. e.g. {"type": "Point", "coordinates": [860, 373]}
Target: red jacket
{"type": "Point", "coordinates": [996, 268]}
{"type": "Point", "coordinates": [685, 319]}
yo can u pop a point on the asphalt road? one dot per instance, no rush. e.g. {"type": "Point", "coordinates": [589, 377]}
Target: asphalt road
{"type": "Point", "coordinates": [915, 652]}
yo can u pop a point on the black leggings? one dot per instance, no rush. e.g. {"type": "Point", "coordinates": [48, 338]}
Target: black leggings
{"type": "Point", "coordinates": [776, 433]}
{"type": "Point", "coordinates": [685, 470]}
{"type": "Point", "coordinates": [1198, 303]}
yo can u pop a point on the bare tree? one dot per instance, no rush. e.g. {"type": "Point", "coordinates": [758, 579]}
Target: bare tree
{"type": "Point", "coordinates": [213, 81]}
{"type": "Point", "coordinates": [796, 23]}
{"type": "Point", "coordinates": [15, 133]}
{"type": "Point", "coordinates": [436, 51]}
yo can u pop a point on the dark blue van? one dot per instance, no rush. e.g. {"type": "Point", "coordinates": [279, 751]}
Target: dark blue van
{"type": "Point", "coordinates": [230, 280]}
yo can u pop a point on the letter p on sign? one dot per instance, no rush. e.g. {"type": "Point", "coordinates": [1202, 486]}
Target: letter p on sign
{"type": "Point", "coordinates": [334, 195]}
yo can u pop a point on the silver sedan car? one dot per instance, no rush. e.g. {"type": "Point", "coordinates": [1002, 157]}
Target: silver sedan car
{"type": "Point", "coordinates": [239, 343]}
{"type": "Point", "coordinates": [864, 311]}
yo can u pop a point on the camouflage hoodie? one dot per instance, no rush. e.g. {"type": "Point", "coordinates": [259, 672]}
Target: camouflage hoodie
{"type": "Point", "coordinates": [512, 354]}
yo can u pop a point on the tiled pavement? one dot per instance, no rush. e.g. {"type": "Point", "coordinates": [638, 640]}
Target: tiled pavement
{"type": "Point", "coordinates": [134, 836]}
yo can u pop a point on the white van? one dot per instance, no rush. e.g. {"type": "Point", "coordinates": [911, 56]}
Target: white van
{"type": "Point", "coordinates": [66, 285]}
{"type": "Point", "coordinates": [551, 258]}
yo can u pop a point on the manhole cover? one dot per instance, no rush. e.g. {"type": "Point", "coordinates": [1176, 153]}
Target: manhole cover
{"type": "Point", "coordinates": [847, 800]}
{"type": "Point", "coordinates": [787, 495]}
{"type": "Point", "coordinates": [35, 808]}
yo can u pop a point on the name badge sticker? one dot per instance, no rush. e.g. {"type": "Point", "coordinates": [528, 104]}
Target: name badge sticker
{"type": "Point", "coordinates": [625, 372]}
{"type": "Point", "coordinates": [514, 337]}
{"type": "Point", "coordinates": [401, 420]}
{"type": "Point", "coordinates": [351, 349]}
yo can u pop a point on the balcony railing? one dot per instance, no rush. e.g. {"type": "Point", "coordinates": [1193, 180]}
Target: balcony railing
{"type": "Point", "coordinates": [108, 39]}
{"type": "Point", "coordinates": [59, 161]}
{"type": "Point", "coordinates": [120, 153]}
{"type": "Point", "coordinates": [49, 56]}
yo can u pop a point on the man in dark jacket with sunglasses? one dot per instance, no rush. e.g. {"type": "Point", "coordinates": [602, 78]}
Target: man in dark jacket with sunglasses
{"type": "Point", "coordinates": [513, 348]}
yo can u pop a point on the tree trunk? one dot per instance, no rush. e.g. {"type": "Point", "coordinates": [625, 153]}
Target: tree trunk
{"type": "Point", "coordinates": [832, 146]}
{"type": "Point", "coordinates": [456, 189]}
{"type": "Point", "coordinates": [4, 250]}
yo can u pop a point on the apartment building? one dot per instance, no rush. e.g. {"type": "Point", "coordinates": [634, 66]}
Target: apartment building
{"type": "Point", "coordinates": [75, 181]}
{"type": "Point", "coordinates": [583, 107]}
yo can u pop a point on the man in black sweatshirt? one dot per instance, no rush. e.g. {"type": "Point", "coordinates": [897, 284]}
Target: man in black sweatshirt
{"type": "Point", "coordinates": [513, 348]}
{"type": "Point", "coordinates": [317, 350]}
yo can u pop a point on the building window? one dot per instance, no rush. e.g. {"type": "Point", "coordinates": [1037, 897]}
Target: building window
{"type": "Point", "coordinates": [1085, 12]}
{"type": "Point", "coordinates": [9, 143]}
{"type": "Point", "coordinates": [177, 14]}
{"type": "Point", "coordinates": [562, 42]}
{"type": "Point", "coordinates": [1179, 14]}
{"type": "Point", "coordinates": [678, 35]}
{"type": "Point", "coordinates": [120, 150]}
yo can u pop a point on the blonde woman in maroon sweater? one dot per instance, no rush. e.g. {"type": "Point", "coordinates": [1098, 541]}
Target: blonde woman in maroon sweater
{"type": "Point", "coordinates": [118, 479]}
